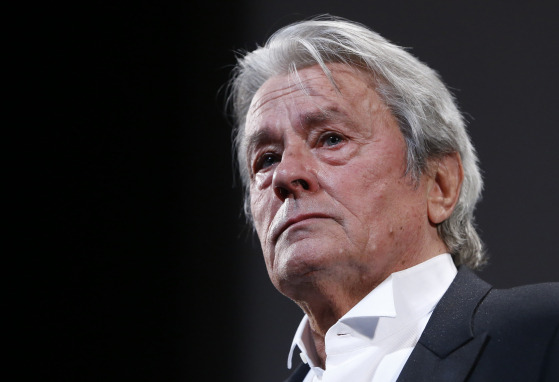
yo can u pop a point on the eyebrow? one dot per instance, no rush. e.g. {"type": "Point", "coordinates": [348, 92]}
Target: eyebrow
{"type": "Point", "coordinates": [308, 120]}
{"type": "Point", "coordinates": [329, 114]}
{"type": "Point", "coordinates": [259, 138]}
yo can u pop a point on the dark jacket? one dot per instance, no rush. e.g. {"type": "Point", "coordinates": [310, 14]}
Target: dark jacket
{"type": "Point", "coordinates": [478, 333]}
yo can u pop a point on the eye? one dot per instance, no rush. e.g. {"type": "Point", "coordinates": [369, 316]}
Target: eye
{"type": "Point", "coordinates": [266, 160]}
{"type": "Point", "coordinates": [332, 139]}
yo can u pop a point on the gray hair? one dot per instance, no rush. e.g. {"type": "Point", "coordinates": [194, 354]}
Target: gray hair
{"type": "Point", "coordinates": [425, 109]}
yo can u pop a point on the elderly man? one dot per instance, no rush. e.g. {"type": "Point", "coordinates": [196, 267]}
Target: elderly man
{"type": "Point", "coordinates": [361, 181]}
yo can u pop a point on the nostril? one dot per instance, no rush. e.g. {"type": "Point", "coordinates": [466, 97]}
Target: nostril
{"type": "Point", "coordinates": [293, 188]}
{"type": "Point", "coordinates": [281, 192]}
{"type": "Point", "coordinates": [302, 183]}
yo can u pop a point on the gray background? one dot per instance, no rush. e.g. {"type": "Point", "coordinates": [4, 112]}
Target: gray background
{"type": "Point", "coordinates": [500, 60]}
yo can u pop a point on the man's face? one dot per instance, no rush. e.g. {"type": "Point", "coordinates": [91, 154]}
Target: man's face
{"type": "Point", "coordinates": [328, 190]}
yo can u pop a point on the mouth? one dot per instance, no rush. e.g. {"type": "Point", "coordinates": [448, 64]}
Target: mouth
{"type": "Point", "coordinates": [282, 227]}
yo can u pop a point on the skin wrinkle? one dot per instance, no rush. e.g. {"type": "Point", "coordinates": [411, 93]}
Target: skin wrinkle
{"type": "Point", "coordinates": [307, 121]}
{"type": "Point", "coordinates": [372, 218]}
{"type": "Point", "coordinates": [258, 104]}
{"type": "Point", "coordinates": [384, 119]}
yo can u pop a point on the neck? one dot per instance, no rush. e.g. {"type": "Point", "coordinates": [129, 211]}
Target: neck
{"type": "Point", "coordinates": [326, 302]}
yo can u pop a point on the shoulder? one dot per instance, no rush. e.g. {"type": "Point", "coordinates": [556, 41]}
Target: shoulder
{"type": "Point", "coordinates": [489, 303]}
{"type": "Point", "coordinates": [515, 315]}
{"type": "Point", "coordinates": [533, 302]}
{"type": "Point", "coordinates": [523, 315]}
{"type": "Point", "coordinates": [521, 326]}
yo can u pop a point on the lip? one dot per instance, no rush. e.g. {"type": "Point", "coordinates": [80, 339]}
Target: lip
{"type": "Point", "coordinates": [282, 227]}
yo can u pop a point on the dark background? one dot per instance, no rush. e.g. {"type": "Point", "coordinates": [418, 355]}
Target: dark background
{"type": "Point", "coordinates": [136, 262]}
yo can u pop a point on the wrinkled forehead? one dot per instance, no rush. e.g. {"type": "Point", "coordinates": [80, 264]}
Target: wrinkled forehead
{"type": "Point", "coordinates": [308, 85]}
{"type": "Point", "coordinates": [291, 87]}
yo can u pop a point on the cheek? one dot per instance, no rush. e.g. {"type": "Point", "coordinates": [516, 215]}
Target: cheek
{"type": "Point", "coordinates": [260, 210]}
{"type": "Point", "coordinates": [259, 203]}
{"type": "Point", "coordinates": [364, 190]}
{"type": "Point", "coordinates": [262, 180]}
{"type": "Point", "coordinates": [262, 216]}
{"type": "Point", "coordinates": [380, 198]}
{"type": "Point", "coordinates": [255, 208]}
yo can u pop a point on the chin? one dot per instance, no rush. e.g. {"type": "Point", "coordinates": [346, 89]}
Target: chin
{"type": "Point", "coordinates": [300, 263]}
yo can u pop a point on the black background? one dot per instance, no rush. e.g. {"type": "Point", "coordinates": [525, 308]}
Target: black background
{"type": "Point", "coordinates": [136, 264]}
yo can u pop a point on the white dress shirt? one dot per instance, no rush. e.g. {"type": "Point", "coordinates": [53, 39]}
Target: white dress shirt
{"type": "Point", "coordinates": [373, 341]}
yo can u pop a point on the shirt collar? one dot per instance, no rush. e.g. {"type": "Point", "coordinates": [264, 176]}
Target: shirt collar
{"type": "Point", "coordinates": [409, 291]}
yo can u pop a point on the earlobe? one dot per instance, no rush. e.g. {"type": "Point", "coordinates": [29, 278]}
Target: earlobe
{"type": "Point", "coordinates": [444, 190]}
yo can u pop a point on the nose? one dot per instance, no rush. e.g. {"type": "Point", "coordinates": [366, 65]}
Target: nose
{"type": "Point", "coordinates": [295, 175]}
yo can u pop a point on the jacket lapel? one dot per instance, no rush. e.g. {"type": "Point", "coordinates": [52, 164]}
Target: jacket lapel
{"type": "Point", "coordinates": [448, 348]}
{"type": "Point", "coordinates": [299, 373]}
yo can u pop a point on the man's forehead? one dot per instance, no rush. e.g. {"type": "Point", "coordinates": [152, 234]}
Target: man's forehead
{"type": "Point", "coordinates": [291, 86]}
{"type": "Point", "coordinates": [309, 84]}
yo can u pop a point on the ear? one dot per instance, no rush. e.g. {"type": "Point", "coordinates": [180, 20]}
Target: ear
{"type": "Point", "coordinates": [444, 190]}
